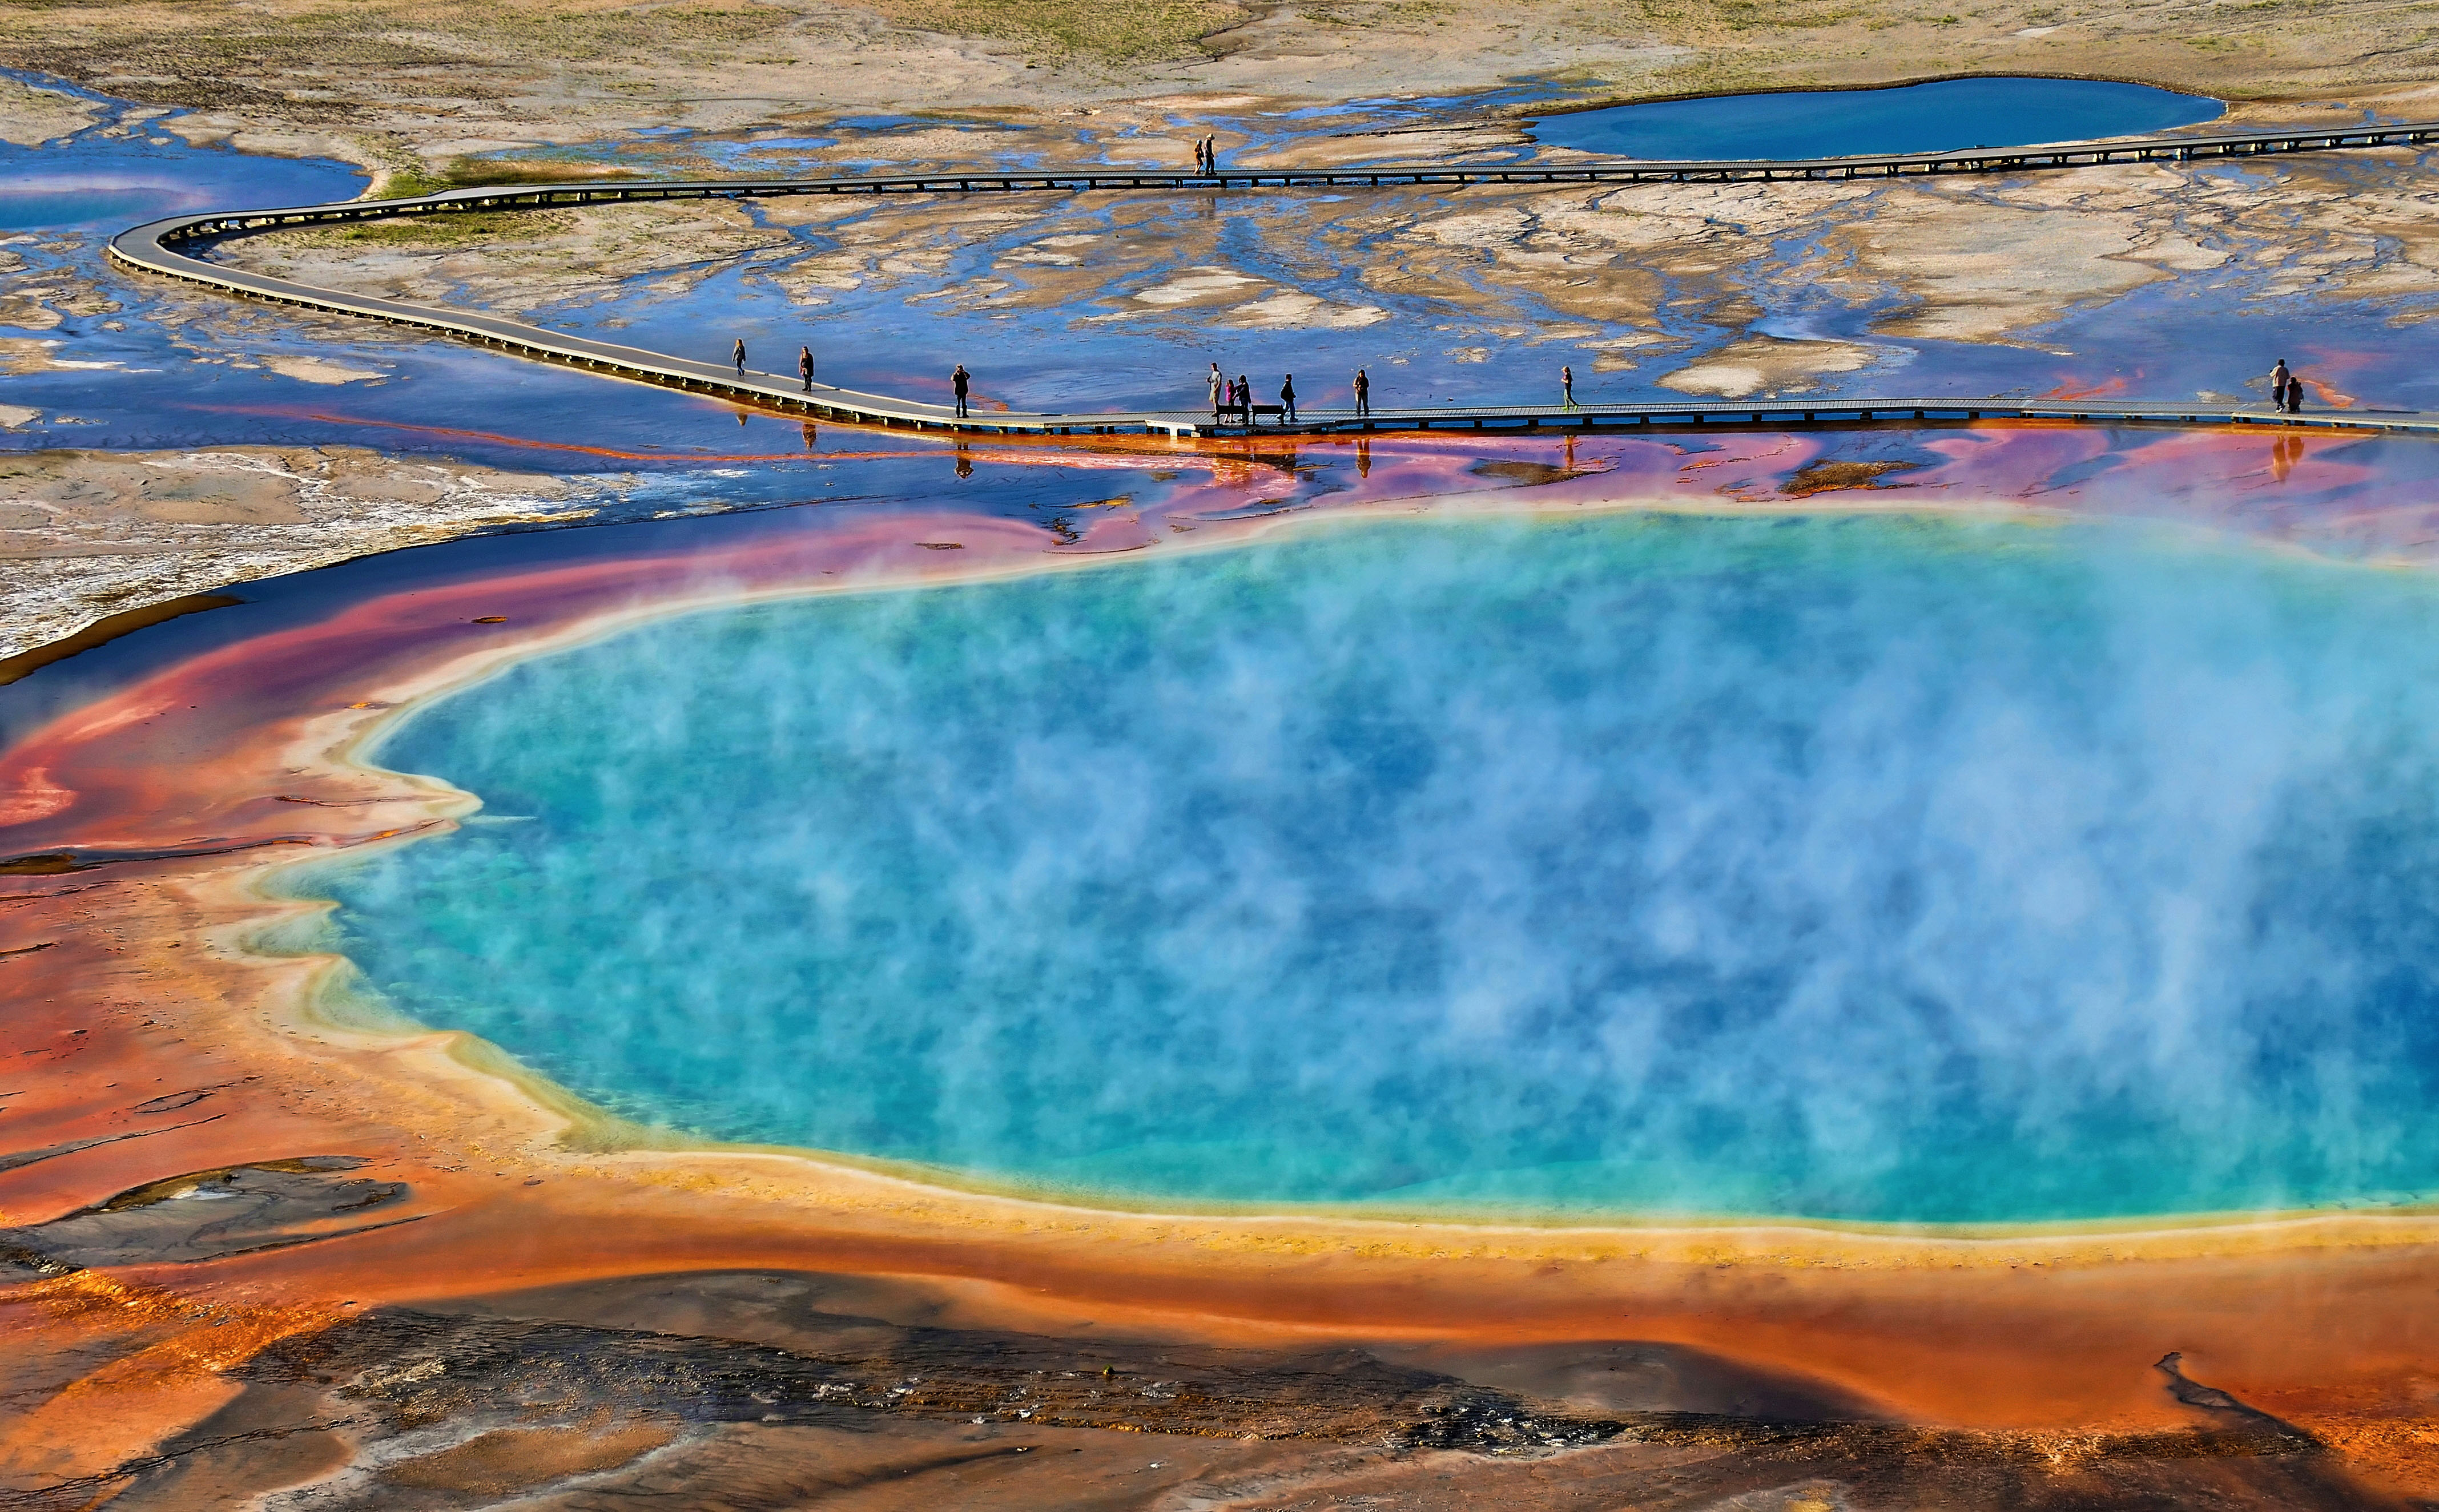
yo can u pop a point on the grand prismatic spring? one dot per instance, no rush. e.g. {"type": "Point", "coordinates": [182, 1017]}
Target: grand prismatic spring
{"type": "Point", "coordinates": [1801, 876]}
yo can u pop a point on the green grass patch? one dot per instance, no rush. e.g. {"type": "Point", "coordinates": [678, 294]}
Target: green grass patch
{"type": "Point", "coordinates": [484, 172]}
{"type": "Point", "coordinates": [456, 229]}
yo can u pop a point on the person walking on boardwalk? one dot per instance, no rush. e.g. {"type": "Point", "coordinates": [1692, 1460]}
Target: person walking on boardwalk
{"type": "Point", "coordinates": [1287, 397]}
{"type": "Point", "coordinates": [1567, 386]}
{"type": "Point", "coordinates": [740, 355]}
{"type": "Point", "coordinates": [805, 366]}
{"type": "Point", "coordinates": [1362, 392]}
{"type": "Point", "coordinates": [959, 380]}
{"type": "Point", "coordinates": [2278, 380]}
{"type": "Point", "coordinates": [1217, 383]}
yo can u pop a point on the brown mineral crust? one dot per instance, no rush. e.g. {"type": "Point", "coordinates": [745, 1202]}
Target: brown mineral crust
{"type": "Point", "coordinates": [1826, 477]}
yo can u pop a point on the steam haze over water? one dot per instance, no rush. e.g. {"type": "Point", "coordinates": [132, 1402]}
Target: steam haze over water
{"type": "Point", "coordinates": [1867, 868]}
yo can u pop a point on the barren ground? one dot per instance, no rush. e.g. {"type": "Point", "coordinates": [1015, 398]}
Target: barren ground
{"type": "Point", "coordinates": [387, 81]}
{"type": "Point", "coordinates": [85, 534]}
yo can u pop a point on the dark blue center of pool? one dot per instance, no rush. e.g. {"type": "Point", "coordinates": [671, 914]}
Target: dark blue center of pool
{"type": "Point", "coordinates": [1953, 112]}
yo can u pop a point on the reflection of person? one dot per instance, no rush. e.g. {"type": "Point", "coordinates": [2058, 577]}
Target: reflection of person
{"type": "Point", "coordinates": [740, 355]}
{"type": "Point", "coordinates": [958, 380]}
{"type": "Point", "coordinates": [805, 366]}
{"type": "Point", "coordinates": [965, 460]}
{"type": "Point", "coordinates": [1362, 392]}
{"type": "Point", "coordinates": [1287, 397]}
{"type": "Point", "coordinates": [1567, 386]}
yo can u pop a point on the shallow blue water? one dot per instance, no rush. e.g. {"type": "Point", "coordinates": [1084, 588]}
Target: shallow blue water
{"type": "Point", "coordinates": [1858, 868]}
{"type": "Point", "coordinates": [1952, 112]}
{"type": "Point", "coordinates": [126, 167]}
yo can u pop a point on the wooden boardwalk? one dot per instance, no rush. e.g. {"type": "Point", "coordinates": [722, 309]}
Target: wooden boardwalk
{"type": "Point", "coordinates": [167, 247]}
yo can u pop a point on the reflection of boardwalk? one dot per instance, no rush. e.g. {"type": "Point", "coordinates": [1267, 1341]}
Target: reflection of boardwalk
{"type": "Point", "coordinates": [158, 247]}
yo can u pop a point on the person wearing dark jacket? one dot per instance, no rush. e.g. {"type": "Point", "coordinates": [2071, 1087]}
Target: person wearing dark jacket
{"type": "Point", "coordinates": [805, 366]}
{"type": "Point", "coordinates": [740, 355]}
{"type": "Point", "coordinates": [959, 380]}
{"type": "Point", "coordinates": [1287, 396]}
{"type": "Point", "coordinates": [1362, 392]}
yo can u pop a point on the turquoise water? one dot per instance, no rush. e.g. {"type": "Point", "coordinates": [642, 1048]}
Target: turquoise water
{"type": "Point", "coordinates": [1860, 868]}
{"type": "Point", "coordinates": [1952, 112]}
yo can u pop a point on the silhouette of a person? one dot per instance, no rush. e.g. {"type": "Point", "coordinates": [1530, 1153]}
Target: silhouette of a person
{"type": "Point", "coordinates": [1362, 392]}
{"type": "Point", "coordinates": [805, 366]}
{"type": "Point", "coordinates": [959, 380]}
{"type": "Point", "coordinates": [740, 355]}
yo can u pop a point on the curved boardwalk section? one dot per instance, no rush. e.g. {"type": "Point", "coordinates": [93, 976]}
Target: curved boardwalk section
{"type": "Point", "coordinates": [167, 247]}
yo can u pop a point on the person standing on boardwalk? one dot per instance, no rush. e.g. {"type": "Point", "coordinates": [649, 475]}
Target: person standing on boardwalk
{"type": "Point", "coordinates": [2294, 394]}
{"type": "Point", "coordinates": [1567, 386]}
{"type": "Point", "coordinates": [1287, 397]}
{"type": "Point", "coordinates": [740, 355]}
{"type": "Point", "coordinates": [1244, 399]}
{"type": "Point", "coordinates": [959, 380]}
{"type": "Point", "coordinates": [1362, 392]}
{"type": "Point", "coordinates": [1217, 385]}
{"type": "Point", "coordinates": [2278, 380]}
{"type": "Point", "coordinates": [805, 366]}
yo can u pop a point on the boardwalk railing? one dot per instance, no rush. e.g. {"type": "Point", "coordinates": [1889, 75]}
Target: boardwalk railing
{"type": "Point", "coordinates": [167, 247]}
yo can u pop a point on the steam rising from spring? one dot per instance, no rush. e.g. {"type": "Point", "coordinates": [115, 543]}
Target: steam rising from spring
{"type": "Point", "coordinates": [1861, 868]}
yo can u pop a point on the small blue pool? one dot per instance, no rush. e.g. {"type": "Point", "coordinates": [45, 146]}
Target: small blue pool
{"type": "Point", "coordinates": [1952, 112]}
